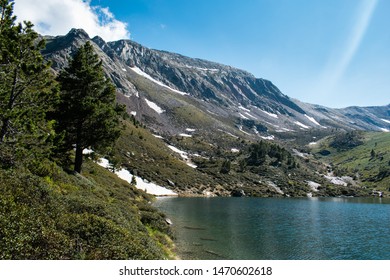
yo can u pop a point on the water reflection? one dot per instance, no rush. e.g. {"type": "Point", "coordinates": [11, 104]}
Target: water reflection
{"type": "Point", "coordinates": [253, 228]}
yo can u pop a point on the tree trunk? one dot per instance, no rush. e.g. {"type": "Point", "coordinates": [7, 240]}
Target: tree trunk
{"type": "Point", "coordinates": [3, 131]}
{"type": "Point", "coordinates": [78, 162]}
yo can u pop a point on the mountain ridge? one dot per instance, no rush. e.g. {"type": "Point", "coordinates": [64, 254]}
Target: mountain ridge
{"type": "Point", "coordinates": [223, 130]}
{"type": "Point", "coordinates": [230, 93]}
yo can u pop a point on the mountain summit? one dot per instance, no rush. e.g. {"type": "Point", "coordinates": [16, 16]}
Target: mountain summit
{"type": "Point", "coordinates": [171, 92]}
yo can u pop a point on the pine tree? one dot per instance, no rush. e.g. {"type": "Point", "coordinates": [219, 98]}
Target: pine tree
{"type": "Point", "coordinates": [28, 88]}
{"type": "Point", "coordinates": [87, 114]}
{"type": "Point", "coordinates": [225, 168]}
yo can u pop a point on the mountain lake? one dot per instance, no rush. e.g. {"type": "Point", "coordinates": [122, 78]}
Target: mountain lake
{"type": "Point", "coordinates": [279, 228]}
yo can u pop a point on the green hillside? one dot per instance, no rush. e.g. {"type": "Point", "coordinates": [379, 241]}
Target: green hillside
{"type": "Point", "coordinates": [226, 165]}
{"type": "Point", "coordinates": [365, 156]}
{"type": "Point", "coordinates": [57, 215]}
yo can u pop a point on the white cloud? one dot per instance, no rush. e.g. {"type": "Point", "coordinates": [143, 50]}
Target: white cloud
{"type": "Point", "coordinates": [57, 17]}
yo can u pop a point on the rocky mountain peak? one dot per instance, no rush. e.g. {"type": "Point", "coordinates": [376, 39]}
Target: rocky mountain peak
{"type": "Point", "coordinates": [78, 33]}
{"type": "Point", "coordinates": [166, 90]}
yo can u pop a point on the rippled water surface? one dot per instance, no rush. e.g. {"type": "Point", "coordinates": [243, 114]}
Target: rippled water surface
{"type": "Point", "coordinates": [275, 228]}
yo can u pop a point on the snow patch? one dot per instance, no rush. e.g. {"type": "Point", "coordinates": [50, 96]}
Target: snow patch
{"type": "Point", "coordinates": [270, 137]}
{"type": "Point", "coordinates": [336, 180]}
{"type": "Point", "coordinates": [283, 129]}
{"type": "Point", "coordinates": [185, 135]}
{"type": "Point", "coordinates": [386, 121]}
{"type": "Point", "coordinates": [384, 129]}
{"type": "Point", "coordinates": [141, 184]}
{"type": "Point", "coordinates": [124, 70]}
{"type": "Point", "coordinates": [148, 187]}
{"type": "Point", "coordinates": [104, 163]}
{"type": "Point", "coordinates": [133, 113]}
{"type": "Point", "coordinates": [183, 155]}
{"type": "Point", "coordinates": [274, 186]}
{"type": "Point", "coordinates": [313, 185]}
{"type": "Point", "coordinates": [300, 154]}
{"type": "Point", "coordinates": [253, 117]}
{"type": "Point", "coordinates": [243, 108]}
{"type": "Point", "coordinates": [191, 165]}
{"type": "Point", "coordinates": [302, 125]}
{"type": "Point", "coordinates": [142, 73]}
{"type": "Point", "coordinates": [312, 120]}
{"type": "Point", "coordinates": [203, 69]}
{"type": "Point", "coordinates": [190, 129]}
{"type": "Point", "coordinates": [234, 150]}
{"type": "Point", "coordinates": [240, 128]}
{"type": "Point", "coordinates": [87, 151]}
{"type": "Point", "coordinates": [270, 114]}
{"type": "Point", "coordinates": [244, 117]}
{"type": "Point", "coordinates": [154, 106]}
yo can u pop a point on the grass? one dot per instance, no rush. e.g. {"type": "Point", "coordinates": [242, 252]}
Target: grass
{"type": "Point", "coordinates": [369, 162]}
{"type": "Point", "coordinates": [150, 158]}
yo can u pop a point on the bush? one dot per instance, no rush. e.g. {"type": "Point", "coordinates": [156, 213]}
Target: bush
{"type": "Point", "coordinates": [42, 219]}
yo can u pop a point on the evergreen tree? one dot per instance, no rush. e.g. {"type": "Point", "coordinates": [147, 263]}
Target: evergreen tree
{"type": "Point", "coordinates": [27, 87]}
{"type": "Point", "coordinates": [225, 168]}
{"type": "Point", "coordinates": [88, 116]}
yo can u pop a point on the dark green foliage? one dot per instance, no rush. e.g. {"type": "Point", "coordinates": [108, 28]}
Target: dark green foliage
{"type": "Point", "coordinates": [372, 153]}
{"type": "Point", "coordinates": [324, 152]}
{"type": "Point", "coordinates": [258, 153]}
{"type": "Point", "coordinates": [64, 216]}
{"type": "Point", "coordinates": [225, 168]}
{"type": "Point", "coordinates": [154, 219]}
{"type": "Point", "coordinates": [384, 172]}
{"type": "Point", "coordinates": [46, 213]}
{"type": "Point", "coordinates": [251, 124]}
{"type": "Point", "coordinates": [348, 140]}
{"type": "Point", "coordinates": [262, 151]}
{"type": "Point", "coordinates": [27, 229]}
{"type": "Point", "coordinates": [87, 115]}
{"type": "Point", "coordinates": [27, 91]}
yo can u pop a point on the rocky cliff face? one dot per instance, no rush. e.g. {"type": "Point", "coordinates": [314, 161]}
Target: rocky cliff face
{"type": "Point", "coordinates": [171, 92]}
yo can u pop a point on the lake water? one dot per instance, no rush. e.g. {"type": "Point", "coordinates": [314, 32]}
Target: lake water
{"type": "Point", "coordinates": [280, 228]}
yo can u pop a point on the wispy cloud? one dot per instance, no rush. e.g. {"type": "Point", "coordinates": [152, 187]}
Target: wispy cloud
{"type": "Point", "coordinates": [56, 17]}
{"type": "Point", "coordinates": [337, 67]}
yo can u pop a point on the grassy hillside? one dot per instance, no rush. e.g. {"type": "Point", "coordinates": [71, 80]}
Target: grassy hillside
{"type": "Point", "coordinates": [95, 215]}
{"type": "Point", "coordinates": [226, 164]}
{"type": "Point", "coordinates": [364, 156]}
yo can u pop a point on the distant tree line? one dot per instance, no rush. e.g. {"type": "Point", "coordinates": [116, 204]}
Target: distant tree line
{"type": "Point", "coordinates": [347, 140]}
{"type": "Point", "coordinates": [259, 154]}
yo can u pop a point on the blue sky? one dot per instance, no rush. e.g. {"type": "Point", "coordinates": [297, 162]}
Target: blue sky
{"type": "Point", "coordinates": [334, 53]}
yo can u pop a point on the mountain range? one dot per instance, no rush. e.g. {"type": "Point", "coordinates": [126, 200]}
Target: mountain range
{"type": "Point", "coordinates": [208, 112]}
{"type": "Point", "coordinates": [157, 85]}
